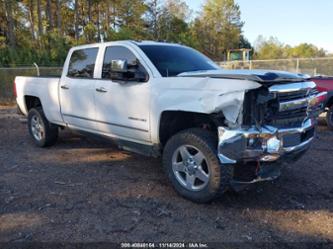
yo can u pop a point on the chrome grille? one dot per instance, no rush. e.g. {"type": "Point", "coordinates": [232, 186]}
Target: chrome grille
{"type": "Point", "coordinates": [314, 91]}
{"type": "Point", "coordinates": [301, 112]}
{"type": "Point", "coordinates": [288, 96]}
{"type": "Point", "coordinates": [294, 115]}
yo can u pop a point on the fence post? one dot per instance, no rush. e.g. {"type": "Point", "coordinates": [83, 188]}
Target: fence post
{"type": "Point", "coordinates": [37, 68]}
{"type": "Point", "coordinates": [297, 65]}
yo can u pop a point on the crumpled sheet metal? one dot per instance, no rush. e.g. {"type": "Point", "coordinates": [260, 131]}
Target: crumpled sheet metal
{"type": "Point", "coordinates": [202, 95]}
{"type": "Point", "coordinates": [229, 103]}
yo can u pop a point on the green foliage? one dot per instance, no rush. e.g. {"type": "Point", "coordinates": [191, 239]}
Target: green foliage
{"type": "Point", "coordinates": [90, 31]}
{"type": "Point", "coordinates": [305, 50]}
{"type": "Point", "coordinates": [42, 31]}
{"type": "Point", "coordinates": [2, 42]}
{"type": "Point", "coordinates": [168, 22]}
{"type": "Point", "coordinates": [51, 49]}
{"type": "Point", "coordinates": [272, 48]}
{"type": "Point", "coordinates": [124, 33]}
{"type": "Point", "coordinates": [269, 49]}
{"type": "Point", "coordinates": [244, 43]}
{"type": "Point", "coordinates": [218, 28]}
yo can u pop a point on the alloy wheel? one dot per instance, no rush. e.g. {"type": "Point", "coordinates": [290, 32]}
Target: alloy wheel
{"type": "Point", "coordinates": [190, 167]}
{"type": "Point", "coordinates": [37, 128]}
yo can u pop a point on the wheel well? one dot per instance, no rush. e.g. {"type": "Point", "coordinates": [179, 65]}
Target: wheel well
{"type": "Point", "coordinates": [173, 122]}
{"type": "Point", "coordinates": [31, 102]}
{"type": "Point", "coordinates": [329, 102]}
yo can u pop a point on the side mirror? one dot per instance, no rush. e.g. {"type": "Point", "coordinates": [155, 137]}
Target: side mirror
{"type": "Point", "coordinates": [140, 76]}
{"type": "Point", "coordinates": [123, 72]}
{"type": "Point", "coordinates": [119, 66]}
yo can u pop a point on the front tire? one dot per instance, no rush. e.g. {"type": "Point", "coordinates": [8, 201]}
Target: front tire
{"type": "Point", "coordinates": [191, 163]}
{"type": "Point", "coordinates": [329, 117]}
{"type": "Point", "coordinates": [41, 130]}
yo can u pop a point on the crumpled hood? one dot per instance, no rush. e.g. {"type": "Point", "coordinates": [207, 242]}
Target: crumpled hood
{"type": "Point", "coordinates": [264, 77]}
{"type": "Point", "coordinates": [202, 94]}
{"type": "Point", "coordinates": [215, 90]}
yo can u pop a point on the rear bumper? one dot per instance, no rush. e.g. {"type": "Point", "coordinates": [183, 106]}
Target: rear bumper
{"type": "Point", "coordinates": [268, 144]}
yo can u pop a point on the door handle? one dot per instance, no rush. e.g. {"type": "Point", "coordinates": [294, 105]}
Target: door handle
{"type": "Point", "coordinates": [101, 90]}
{"type": "Point", "coordinates": [65, 87]}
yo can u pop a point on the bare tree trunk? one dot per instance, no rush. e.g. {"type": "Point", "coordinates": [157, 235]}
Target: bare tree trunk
{"type": "Point", "coordinates": [98, 24]}
{"type": "Point", "coordinates": [40, 21]}
{"type": "Point", "coordinates": [89, 10]}
{"type": "Point", "coordinates": [49, 14]}
{"type": "Point", "coordinates": [59, 17]}
{"type": "Point", "coordinates": [108, 13]}
{"type": "Point", "coordinates": [114, 15]}
{"type": "Point", "coordinates": [32, 18]}
{"type": "Point", "coordinates": [154, 22]}
{"type": "Point", "coordinates": [10, 23]}
{"type": "Point", "coordinates": [76, 17]}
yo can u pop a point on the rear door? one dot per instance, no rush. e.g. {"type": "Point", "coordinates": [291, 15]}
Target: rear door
{"type": "Point", "coordinates": [122, 107]}
{"type": "Point", "coordinates": [77, 88]}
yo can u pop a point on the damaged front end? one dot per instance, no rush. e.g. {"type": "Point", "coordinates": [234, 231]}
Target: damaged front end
{"type": "Point", "coordinates": [277, 125]}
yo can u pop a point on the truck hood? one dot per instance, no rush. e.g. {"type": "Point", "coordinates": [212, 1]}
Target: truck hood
{"type": "Point", "coordinates": [203, 94]}
{"type": "Point", "coordinates": [264, 77]}
{"type": "Point", "coordinates": [218, 90]}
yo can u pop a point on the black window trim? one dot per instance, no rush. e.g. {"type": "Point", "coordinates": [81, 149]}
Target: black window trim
{"type": "Point", "coordinates": [82, 48]}
{"type": "Point", "coordinates": [134, 53]}
{"type": "Point", "coordinates": [168, 44]}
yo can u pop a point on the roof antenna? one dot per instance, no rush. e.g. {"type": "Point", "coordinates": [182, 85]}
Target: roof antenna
{"type": "Point", "coordinates": [101, 37]}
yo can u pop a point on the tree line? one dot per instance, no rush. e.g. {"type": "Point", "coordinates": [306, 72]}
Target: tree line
{"type": "Point", "coordinates": [42, 31]}
{"type": "Point", "coordinates": [272, 48]}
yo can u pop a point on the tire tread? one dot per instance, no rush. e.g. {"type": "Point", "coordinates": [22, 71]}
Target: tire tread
{"type": "Point", "coordinates": [208, 140]}
{"type": "Point", "coordinates": [329, 120]}
{"type": "Point", "coordinates": [51, 130]}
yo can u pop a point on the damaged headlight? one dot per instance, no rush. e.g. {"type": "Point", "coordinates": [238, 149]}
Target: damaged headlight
{"type": "Point", "coordinates": [236, 145]}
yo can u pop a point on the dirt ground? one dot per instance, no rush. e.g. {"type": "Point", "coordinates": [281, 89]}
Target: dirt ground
{"type": "Point", "coordinates": [86, 190]}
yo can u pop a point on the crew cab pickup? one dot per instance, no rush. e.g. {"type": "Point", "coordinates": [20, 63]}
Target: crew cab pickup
{"type": "Point", "coordinates": [214, 128]}
{"type": "Point", "coordinates": [325, 84]}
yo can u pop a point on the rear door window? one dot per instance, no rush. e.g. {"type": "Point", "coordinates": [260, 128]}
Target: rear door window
{"type": "Point", "coordinates": [82, 63]}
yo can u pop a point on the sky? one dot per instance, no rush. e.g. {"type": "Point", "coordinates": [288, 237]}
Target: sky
{"type": "Point", "coordinates": [291, 21]}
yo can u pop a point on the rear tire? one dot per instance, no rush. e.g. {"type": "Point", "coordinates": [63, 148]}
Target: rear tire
{"type": "Point", "coordinates": [329, 117]}
{"type": "Point", "coordinates": [41, 130]}
{"type": "Point", "coordinates": [191, 157]}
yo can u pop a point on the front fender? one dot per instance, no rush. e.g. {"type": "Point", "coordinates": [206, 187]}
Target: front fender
{"type": "Point", "coordinates": [200, 95]}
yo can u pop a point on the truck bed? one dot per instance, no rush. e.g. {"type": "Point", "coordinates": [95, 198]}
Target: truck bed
{"type": "Point", "coordinates": [43, 87]}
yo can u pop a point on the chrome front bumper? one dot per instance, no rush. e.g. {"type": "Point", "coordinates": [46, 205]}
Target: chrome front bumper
{"type": "Point", "coordinates": [268, 144]}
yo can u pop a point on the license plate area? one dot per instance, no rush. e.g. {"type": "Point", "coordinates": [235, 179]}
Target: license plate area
{"type": "Point", "coordinates": [294, 139]}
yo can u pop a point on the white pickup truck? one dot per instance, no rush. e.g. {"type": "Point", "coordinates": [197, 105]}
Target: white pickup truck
{"type": "Point", "coordinates": [215, 128]}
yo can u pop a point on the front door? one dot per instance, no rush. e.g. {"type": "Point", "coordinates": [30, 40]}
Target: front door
{"type": "Point", "coordinates": [122, 106]}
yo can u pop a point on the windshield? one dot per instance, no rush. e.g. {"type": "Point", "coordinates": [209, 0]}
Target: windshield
{"type": "Point", "coordinates": [172, 60]}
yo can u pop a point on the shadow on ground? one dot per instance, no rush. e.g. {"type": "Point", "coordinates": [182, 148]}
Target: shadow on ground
{"type": "Point", "coordinates": [86, 190]}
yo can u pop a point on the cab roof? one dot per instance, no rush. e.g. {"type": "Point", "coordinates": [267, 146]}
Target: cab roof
{"type": "Point", "coordinates": [136, 42]}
